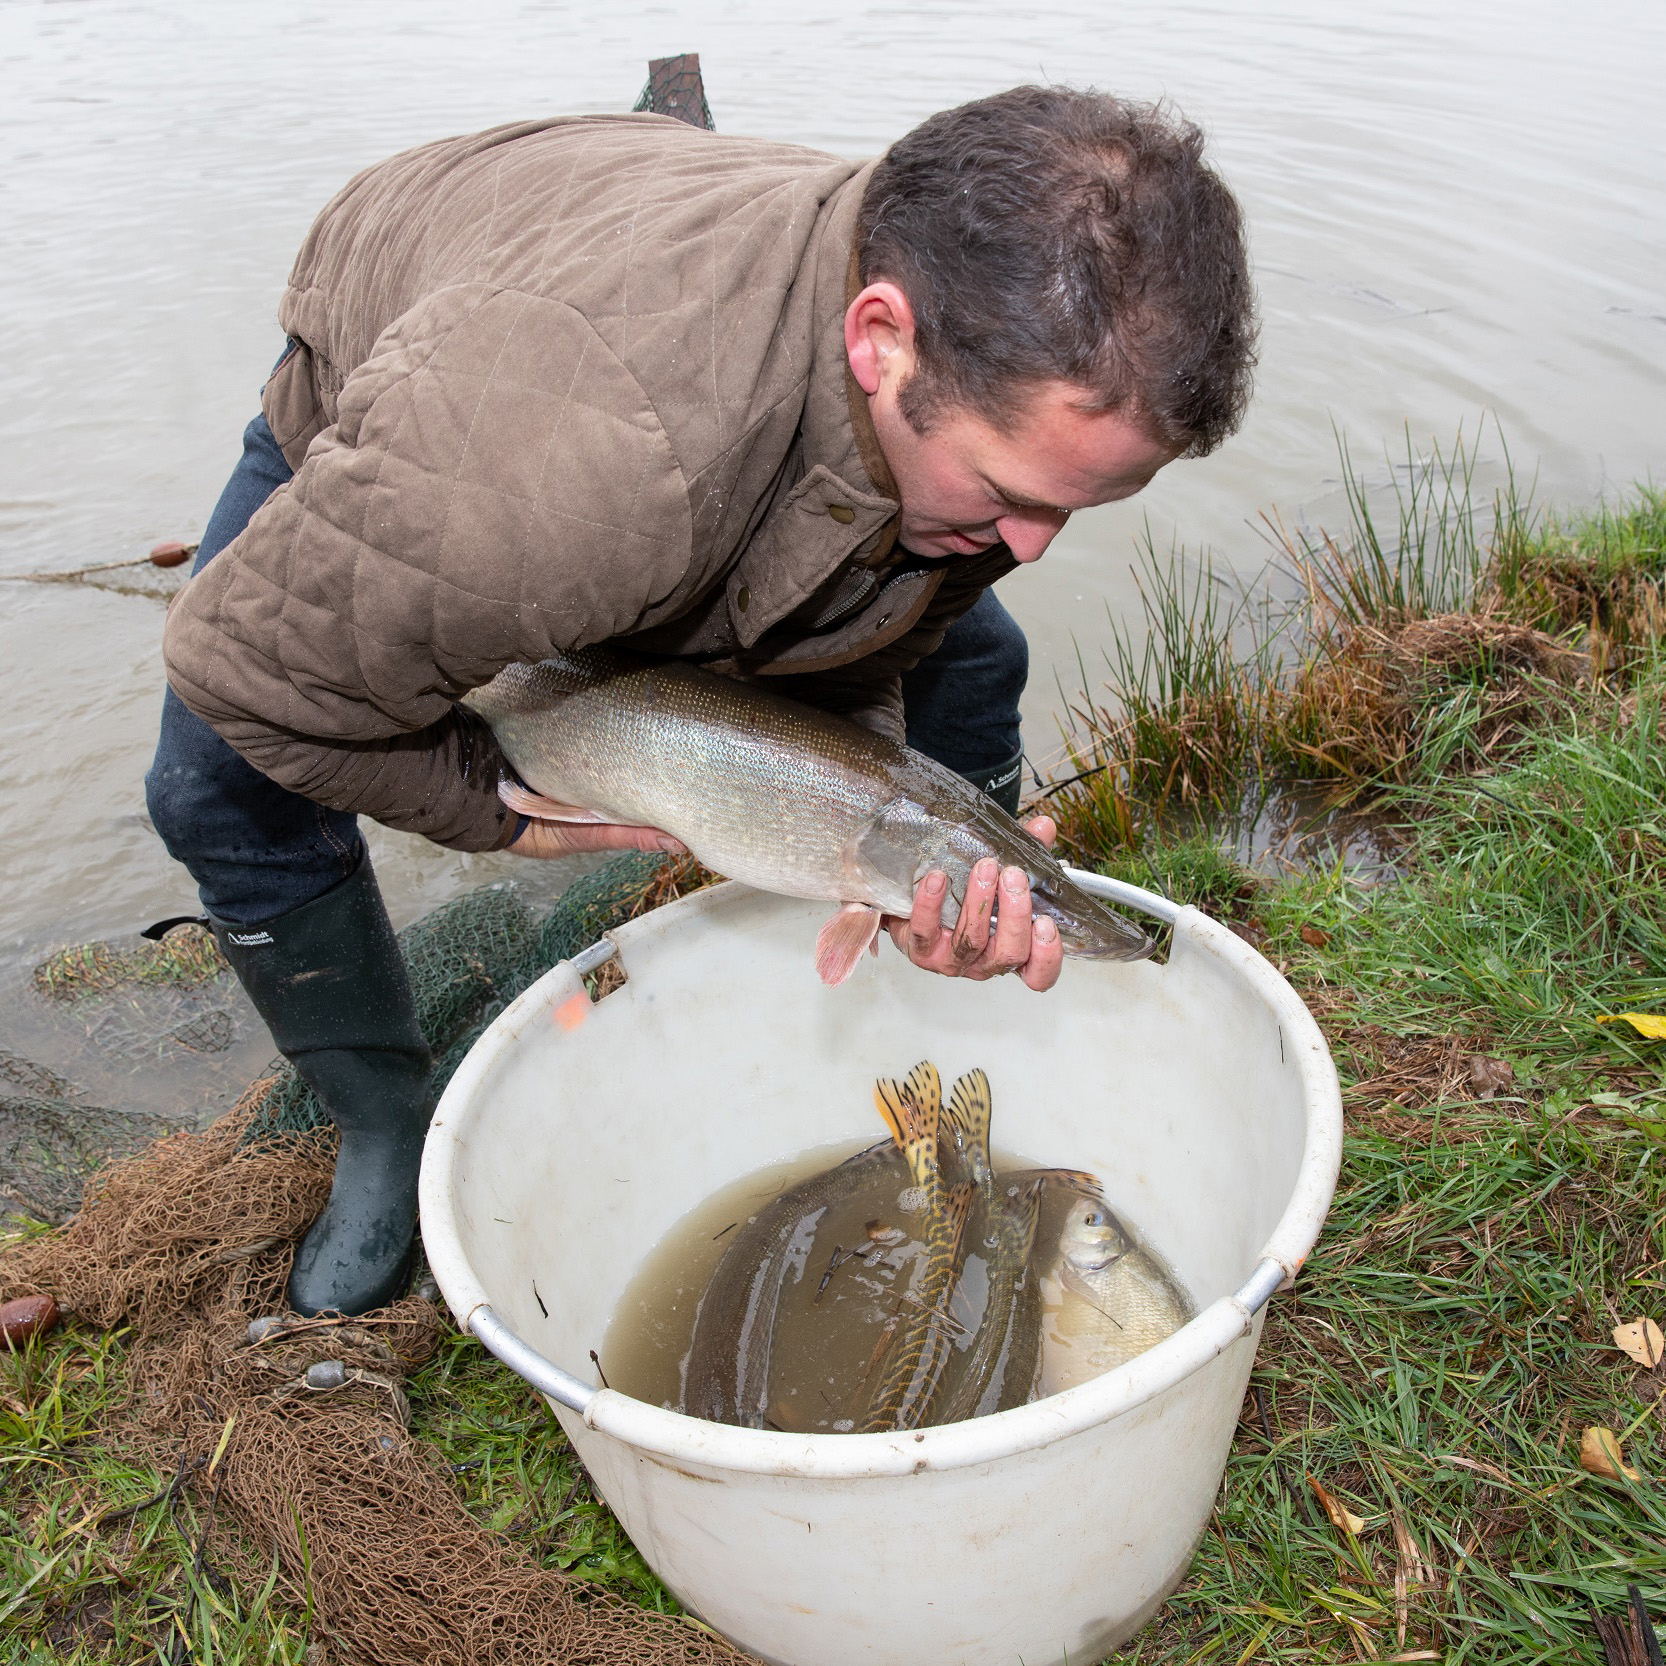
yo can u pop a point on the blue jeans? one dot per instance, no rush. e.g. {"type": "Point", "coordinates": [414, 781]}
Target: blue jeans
{"type": "Point", "coordinates": [257, 850]}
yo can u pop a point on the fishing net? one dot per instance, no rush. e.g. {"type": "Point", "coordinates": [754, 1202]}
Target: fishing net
{"type": "Point", "coordinates": [187, 956]}
{"type": "Point", "coordinates": [295, 1438]}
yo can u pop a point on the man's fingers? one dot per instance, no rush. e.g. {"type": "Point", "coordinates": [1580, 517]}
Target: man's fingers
{"type": "Point", "coordinates": [925, 921]}
{"type": "Point", "coordinates": [613, 836]}
{"type": "Point", "coordinates": [560, 838]}
{"type": "Point", "coordinates": [1041, 970]}
{"type": "Point", "coordinates": [971, 932]}
{"type": "Point", "coordinates": [1010, 947]}
{"type": "Point", "coordinates": [1044, 828]}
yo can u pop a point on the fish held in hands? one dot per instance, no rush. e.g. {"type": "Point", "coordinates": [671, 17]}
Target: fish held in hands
{"type": "Point", "coordinates": [770, 792]}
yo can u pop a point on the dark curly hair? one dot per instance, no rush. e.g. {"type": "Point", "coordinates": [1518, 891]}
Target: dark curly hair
{"type": "Point", "coordinates": [1048, 233]}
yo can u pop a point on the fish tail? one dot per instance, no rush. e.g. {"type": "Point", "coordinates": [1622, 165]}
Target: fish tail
{"type": "Point", "coordinates": [897, 1112]}
{"type": "Point", "coordinates": [925, 1087]}
{"type": "Point", "coordinates": [916, 1141]}
{"type": "Point", "coordinates": [970, 1109]}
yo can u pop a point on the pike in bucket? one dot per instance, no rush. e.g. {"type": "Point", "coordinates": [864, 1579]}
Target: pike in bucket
{"type": "Point", "coordinates": [769, 792]}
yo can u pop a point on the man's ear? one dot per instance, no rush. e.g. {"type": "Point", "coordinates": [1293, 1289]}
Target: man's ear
{"type": "Point", "coordinates": [879, 337]}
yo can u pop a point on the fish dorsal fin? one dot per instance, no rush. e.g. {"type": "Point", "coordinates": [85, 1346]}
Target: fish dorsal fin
{"type": "Point", "coordinates": [969, 1111]}
{"type": "Point", "coordinates": [1075, 1180]}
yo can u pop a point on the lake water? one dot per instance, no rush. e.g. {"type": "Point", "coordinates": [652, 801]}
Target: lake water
{"type": "Point", "coordinates": [1455, 211]}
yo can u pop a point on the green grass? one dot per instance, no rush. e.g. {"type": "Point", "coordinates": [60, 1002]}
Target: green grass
{"type": "Point", "coordinates": [99, 1552]}
{"type": "Point", "coordinates": [518, 1475]}
{"type": "Point", "coordinates": [1451, 1336]}
{"type": "Point", "coordinates": [1349, 661]}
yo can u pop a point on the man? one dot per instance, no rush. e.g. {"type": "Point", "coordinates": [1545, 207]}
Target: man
{"type": "Point", "coordinates": [619, 379]}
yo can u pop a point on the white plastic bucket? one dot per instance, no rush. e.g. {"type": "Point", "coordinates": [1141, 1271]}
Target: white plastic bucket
{"type": "Point", "coordinates": [573, 1137]}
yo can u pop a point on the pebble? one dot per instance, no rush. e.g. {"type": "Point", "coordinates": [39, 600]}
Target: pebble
{"type": "Point", "coordinates": [26, 1317]}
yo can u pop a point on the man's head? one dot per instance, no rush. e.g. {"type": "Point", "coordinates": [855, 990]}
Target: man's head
{"type": "Point", "coordinates": [1055, 302]}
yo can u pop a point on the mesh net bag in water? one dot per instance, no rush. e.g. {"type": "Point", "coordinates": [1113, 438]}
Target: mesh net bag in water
{"type": "Point", "coordinates": [676, 88]}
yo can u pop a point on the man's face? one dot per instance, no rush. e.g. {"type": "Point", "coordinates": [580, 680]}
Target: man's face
{"type": "Point", "coordinates": [964, 485]}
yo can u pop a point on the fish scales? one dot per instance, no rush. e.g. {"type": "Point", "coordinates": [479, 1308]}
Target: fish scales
{"type": "Point", "coordinates": [937, 1161]}
{"type": "Point", "coordinates": [999, 1369]}
{"type": "Point", "coordinates": [1106, 1299]}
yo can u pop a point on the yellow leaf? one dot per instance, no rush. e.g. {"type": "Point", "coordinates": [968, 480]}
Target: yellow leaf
{"type": "Point", "coordinates": [1649, 1024]}
{"type": "Point", "coordinates": [1599, 1452]}
{"type": "Point", "coordinates": [220, 1450]}
{"type": "Point", "coordinates": [1642, 1340]}
{"type": "Point", "coordinates": [1341, 1517]}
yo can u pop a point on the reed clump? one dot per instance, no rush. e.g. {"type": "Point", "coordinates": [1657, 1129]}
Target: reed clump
{"type": "Point", "coordinates": [1367, 659]}
{"type": "Point", "coordinates": [187, 956]}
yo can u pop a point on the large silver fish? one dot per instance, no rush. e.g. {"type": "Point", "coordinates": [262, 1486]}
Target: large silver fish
{"type": "Point", "coordinates": [770, 792]}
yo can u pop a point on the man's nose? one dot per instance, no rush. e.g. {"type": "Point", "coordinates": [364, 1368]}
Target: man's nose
{"type": "Point", "coordinates": [1028, 532]}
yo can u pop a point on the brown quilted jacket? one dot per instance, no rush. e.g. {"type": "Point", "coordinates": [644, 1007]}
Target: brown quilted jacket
{"type": "Point", "coordinates": [557, 383]}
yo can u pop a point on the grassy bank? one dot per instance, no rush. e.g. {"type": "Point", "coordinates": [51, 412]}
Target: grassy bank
{"type": "Point", "coordinates": [1491, 686]}
{"type": "Point", "coordinates": [1502, 1205]}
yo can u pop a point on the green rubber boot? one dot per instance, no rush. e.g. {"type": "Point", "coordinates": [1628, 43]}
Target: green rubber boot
{"type": "Point", "coordinates": [1004, 783]}
{"type": "Point", "coordinates": [330, 983]}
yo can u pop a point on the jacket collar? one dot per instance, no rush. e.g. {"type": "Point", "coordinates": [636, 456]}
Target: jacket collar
{"type": "Point", "coordinates": [844, 505]}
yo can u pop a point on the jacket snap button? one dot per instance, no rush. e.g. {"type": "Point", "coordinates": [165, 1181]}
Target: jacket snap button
{"type": "Point", "coordinates": [743, 598]}
{"type": "Point", "coordinates": [842, 513]}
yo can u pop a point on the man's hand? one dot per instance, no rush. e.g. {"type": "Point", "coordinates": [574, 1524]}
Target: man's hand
{"type": "Point", "coordinates": [1031, 949]}
{"type": "Point", "coordinates": [570, 838]}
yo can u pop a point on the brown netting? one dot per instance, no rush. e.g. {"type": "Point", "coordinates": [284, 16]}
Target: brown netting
{"type": "Point", "coordinates": [187, 1242]}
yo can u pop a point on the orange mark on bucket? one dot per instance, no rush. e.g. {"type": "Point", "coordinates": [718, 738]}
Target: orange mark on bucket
{"type": "Point", "coordinates": [572, 1012]}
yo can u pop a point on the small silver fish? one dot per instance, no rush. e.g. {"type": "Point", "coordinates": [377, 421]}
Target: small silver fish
{"type": "Point", "coordinates": [1105, 1300]}
{"type": "Point", "coordinates": [770, 792]}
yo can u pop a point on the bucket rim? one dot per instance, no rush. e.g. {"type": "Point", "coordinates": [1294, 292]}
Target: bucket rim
{"type": "Point", "coordinates": [693, 1442]}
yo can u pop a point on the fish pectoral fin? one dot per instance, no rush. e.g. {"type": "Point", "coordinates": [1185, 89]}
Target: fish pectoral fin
{"type": "Point", "coordinates": [525, 802]}
{"type": "Point", "coordinates": [842, 940]}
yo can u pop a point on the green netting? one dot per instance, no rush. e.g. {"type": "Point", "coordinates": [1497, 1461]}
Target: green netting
{"type": "Point", "coordinates": [187, 956]}
{"type": "Point", "coordinates": [469, 959]}
{"type": "Point", "coordinates": [50, 1144]}
{"type": "Point", "coordinates": [675, 88]}
{"type": "Point", "coordinates": [598, 902]}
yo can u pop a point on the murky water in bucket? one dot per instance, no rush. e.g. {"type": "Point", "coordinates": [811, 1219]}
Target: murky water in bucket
{"type": "Point", "coordinates": [851, 1270]}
